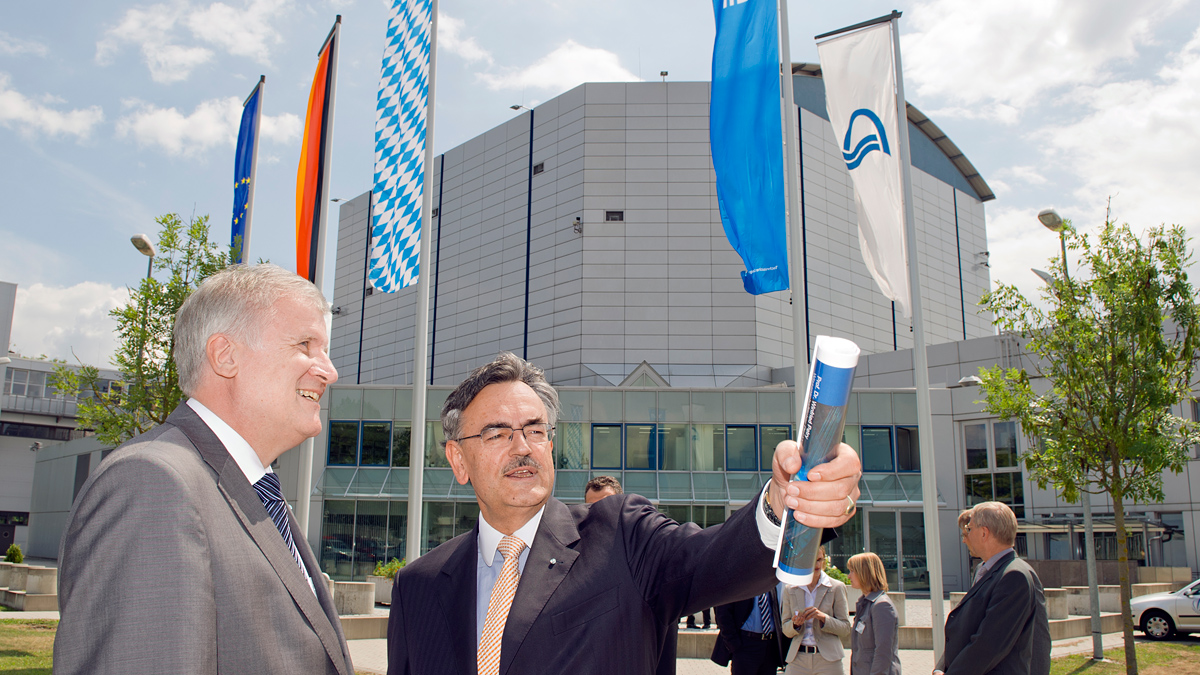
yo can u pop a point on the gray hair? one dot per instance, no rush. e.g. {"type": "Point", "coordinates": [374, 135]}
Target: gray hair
{"type": "Point", "coordinates": [506, 367]}
{"type": "Point", "coordinates": [235, 302]}
{"type": "Point", "coordinates": [998, 518]}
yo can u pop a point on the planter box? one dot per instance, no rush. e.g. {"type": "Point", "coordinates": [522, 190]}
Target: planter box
{"type": "Point", "coordinates": [383, 589]}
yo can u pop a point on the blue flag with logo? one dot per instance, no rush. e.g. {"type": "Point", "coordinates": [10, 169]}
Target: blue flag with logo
{"type": "Point", "coordinates": [746, 135]}
{"type": "Point", "coordinates": [243, 175]}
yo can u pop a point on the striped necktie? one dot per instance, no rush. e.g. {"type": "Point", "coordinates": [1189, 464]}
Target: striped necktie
{"type": "Point", "coordinates": [271, 495]}
{"type": "Point", "coordinates": [765, 614]}
{"type": "Point", "coordinates": [502, 596]}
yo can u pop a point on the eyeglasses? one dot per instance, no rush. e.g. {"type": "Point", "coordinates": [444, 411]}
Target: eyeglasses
{"type": "Point", "coordinates": [966, 530]}
{"type": "Point", "coordinates": [537, 434]}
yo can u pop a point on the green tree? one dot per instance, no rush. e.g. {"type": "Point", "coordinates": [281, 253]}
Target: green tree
{"type": "Point", "coordinates": [1117, 350]}
{"type": "Point", "coordinates": [149, 389]}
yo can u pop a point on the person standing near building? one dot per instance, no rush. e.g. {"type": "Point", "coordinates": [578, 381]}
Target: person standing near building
{"type": "Point", "coordinates": [875, 636]}
{"type": "Point", "coordinates": [750, 641]}
{"type": "Point", "coordinates": [1001, 626]}
{"type": "Point", "coordinates": [541, 585]}
{"type": "Point", "coordinates": [816, 617]}
{"type": "Point", "coordinates": [179, 554]}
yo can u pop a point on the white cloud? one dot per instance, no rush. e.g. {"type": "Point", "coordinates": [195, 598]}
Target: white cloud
{"type": "Point", "coordinates": [241, 32]}
{"type": "Point", "coordinates": [68, 322]}
{"type": "Point", "coordinates": [1012, 51]}
{"type": "Point", "coordinates": [1138, 143]}
{"type": "Point", "coordinates": [156, 30]}
{"type": "Point", "coordinates": [451, 40]}
{"type": "Point", "coordinates": [569, 65]}
{"type": "Point", "coordinates": [1024, 174]}
{"type": "Point", "coordinates": [14, 46]}
{"type": "Point", "coordinates": [213, 122]}
{"type": "Point", "coordinates": [31, 117]}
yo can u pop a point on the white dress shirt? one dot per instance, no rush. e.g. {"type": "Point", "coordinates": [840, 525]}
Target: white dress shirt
{"type": "Point", "coordinates": [241, 452]}
{"type": "Point", "coordinates": [810, 599]}
{"type": "Point", "coordinates": [487, 569]}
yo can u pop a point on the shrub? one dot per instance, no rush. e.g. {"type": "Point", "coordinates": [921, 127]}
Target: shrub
{"type": "Point", "coordinates": [388, 569]}
{"type": "Point", "coordinates": [14, 554]}
{"type": "Point", "coordinates": [835, 573]}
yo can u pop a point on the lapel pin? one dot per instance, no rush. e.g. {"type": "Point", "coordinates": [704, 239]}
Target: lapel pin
{"type": "Point", "coordinates": [553, 561]}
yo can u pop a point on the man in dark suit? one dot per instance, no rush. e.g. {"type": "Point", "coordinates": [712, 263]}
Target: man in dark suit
{"type": "Point", "coordinates": [751, 641]}
{"type": "Point", "coordinates": [542, 587]}
{"type": "Point", "coordinates": [1000, 627]}
{"type": "Point", "coordinates": [179, 554]}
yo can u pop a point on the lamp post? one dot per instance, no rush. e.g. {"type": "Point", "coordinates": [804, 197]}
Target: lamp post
{"type": "Point", "coordinates": [1054, 222]}
{"type": "Point", "coordinates": [143, 244]}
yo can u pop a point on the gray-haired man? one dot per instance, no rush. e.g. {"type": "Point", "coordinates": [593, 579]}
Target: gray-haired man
{"type": "Point", "coordinates": [179, 555]}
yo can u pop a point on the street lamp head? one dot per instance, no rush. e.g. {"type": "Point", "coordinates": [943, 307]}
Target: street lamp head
{"type": "Point", "coordinates": [518, 106]}
{"type": "Point", "coordinates": [142, 243]}
{"type": "Point", "coordinates": [1044, 275]}
{"type": "Point", "coordinates": [1051, 220]}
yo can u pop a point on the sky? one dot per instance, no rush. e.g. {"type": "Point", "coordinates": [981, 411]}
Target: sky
{"type": "Point", "coordinates": [113, 113]}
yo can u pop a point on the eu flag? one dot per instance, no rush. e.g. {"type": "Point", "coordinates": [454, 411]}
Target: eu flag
{"type": "Point", "coordinates": [243, 174]}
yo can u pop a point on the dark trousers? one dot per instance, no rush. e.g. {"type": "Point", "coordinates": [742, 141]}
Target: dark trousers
{"type": "Point", "coordinates": [755, 656]}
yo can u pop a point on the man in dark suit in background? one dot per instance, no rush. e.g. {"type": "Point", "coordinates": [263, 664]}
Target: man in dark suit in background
{"type": "Point", "coordinates": [179, 554]}
{"type": "Point", "coordinates": [1001, 626]}
{"type": "Point", "coordinates": [542, 587]}
{"type": "Point", "coordinates": [751, 641]}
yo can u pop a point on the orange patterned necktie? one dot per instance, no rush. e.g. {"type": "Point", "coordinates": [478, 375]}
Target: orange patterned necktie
{"type": "Point", "coordinates": [502, 596]}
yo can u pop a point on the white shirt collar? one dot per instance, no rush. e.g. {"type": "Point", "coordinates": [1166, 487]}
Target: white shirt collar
{"type": "Point", "coordinates": [489, 537]}
{"type": "Point", "coordinates": [241, 452]}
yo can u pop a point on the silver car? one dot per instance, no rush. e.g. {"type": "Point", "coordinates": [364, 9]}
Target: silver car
{"type": "Point", "coordinates": [1162, 615]}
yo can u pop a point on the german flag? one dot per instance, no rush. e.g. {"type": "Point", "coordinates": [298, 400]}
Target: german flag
{"type": "Point", "coordinates": [314, 158]}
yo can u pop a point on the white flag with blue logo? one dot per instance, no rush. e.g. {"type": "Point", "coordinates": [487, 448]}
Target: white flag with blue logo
{"type": "Point", "coordinates": [860, 94]}
{"type": "Point", "coordinates": [400, 117]}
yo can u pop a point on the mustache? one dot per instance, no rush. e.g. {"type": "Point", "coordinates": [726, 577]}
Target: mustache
{"type": "Point", "coordinates": [522, 461]}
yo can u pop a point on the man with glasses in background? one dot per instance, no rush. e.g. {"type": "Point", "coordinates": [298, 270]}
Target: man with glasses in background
{"type": "Point", "coordinates": [539, 586]}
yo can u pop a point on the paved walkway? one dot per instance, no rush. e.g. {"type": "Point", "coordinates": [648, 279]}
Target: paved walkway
{"type": "Point", "coordinates": [370, 656]}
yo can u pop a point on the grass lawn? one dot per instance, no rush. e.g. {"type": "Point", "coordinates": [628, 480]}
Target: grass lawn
{"type": "Point", "coordinates": [26, 647]}
{"type": "Point", "coordinates": [1180, 657]}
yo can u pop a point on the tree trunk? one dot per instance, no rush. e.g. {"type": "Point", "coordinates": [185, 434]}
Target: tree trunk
{"type": "Point", "coordinates": [1126, 591]}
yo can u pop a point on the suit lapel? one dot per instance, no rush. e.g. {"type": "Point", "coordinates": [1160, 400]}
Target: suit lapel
{"type": "Point", "coordinates": [556, 535]}
{"type": "Point", "coordinates": [459, 580]}
{"type": "Point", "coordinates": [248, 508]}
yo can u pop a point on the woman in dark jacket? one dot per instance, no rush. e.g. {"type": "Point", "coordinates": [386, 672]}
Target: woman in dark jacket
{"type": "Point", "coordinates": [874, 640]}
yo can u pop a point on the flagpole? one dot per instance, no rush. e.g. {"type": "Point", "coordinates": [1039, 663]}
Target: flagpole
{"type": "Point", "coordinates": [304, 496]}
{"type": "Point", "coordinates": [791, 140]}
{"type": "Point", "coordinates": [262, 85]}
{"type": "Point", "coordinates": [933, 541]}
{"type": "Point", "coordinates": [416, 453]}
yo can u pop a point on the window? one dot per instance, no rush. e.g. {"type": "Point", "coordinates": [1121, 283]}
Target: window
{"type": "Point", "coordinates": [993, 465]}
{"type": "Point", "coordinates": [708, 446]}
{"type": "Point", "coordinates": [538, 168]}
{"type": "Point", "coordinates": [877, 449]}
{"type": "Point", "coordinates": [376, 441]}
{"type": "Point", "coordinates": [769, 437]}
{"type": "Point", "coordinates": [641, 446]}
{"type": "Point", "coordinates": [740, 448]}
{"type": "Point", "coordinates": [571, 447]}
{"type": "Point", "coordinates": [614, 216]}
{"type": "Point", "coordinates": [606, 446]}
{"type": "Point", "coordinates": [343, 443]}
{"type": "Point", "coordinates": [908, 450]}
{"type": "Point", "coordinates": [401, 442]}
{"type": "Point", "coordinates": [673, 447]}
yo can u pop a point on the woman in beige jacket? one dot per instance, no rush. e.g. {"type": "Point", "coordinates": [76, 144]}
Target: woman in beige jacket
{"type": "Point", "coordinates": [817, 617]}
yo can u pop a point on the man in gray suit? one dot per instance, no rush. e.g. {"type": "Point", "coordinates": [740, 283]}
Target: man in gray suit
{"type": "Point", "coordinates": [1001, 626]}
{"type": "Point", "coordinates": [179, 554]}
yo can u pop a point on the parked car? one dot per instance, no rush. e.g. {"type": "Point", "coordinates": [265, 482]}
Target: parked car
{"type": "Point", "coordinates": [1162, 615]}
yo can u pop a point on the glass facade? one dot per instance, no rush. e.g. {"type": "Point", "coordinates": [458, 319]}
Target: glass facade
{"type": "Point", "coordinates": [696, 454]}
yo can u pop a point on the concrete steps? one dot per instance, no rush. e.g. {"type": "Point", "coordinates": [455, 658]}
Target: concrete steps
{"type": "Point", "coordinates": [28, 588]}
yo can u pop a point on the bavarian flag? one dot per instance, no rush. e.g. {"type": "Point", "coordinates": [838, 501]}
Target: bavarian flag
{"type": "Point", "coordinates": [314, 155]}
{"type": "Point", "coordinates": [243, 173]}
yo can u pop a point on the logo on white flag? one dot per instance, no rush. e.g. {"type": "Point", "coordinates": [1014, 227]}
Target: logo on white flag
{"type": "Point", "coordinates": [874, 141]}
